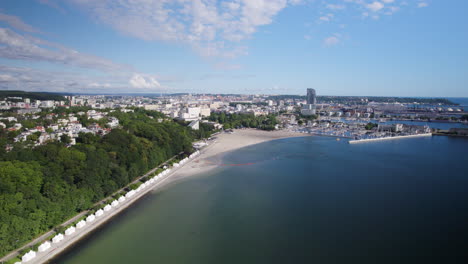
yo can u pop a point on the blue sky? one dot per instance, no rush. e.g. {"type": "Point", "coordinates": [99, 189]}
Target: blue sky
{"type": "Point", "coordinates": [338, 47]}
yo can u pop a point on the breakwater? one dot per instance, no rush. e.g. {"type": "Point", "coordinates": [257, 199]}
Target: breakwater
{"type": "Point", "coordinates": [388, 138]}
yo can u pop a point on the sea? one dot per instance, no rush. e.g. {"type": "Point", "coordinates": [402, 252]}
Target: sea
{"type": "Point", "coordinates": [302, 200]}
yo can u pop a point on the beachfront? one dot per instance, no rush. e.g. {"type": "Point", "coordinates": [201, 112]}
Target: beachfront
{"type": "Point", "coordinates": [207, 160]}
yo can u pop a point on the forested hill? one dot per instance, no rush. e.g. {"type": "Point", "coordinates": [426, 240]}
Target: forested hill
{"type": "Point", "coordinates": [43, 186]}
{"type": "Point", "coordinates": [31, 95]}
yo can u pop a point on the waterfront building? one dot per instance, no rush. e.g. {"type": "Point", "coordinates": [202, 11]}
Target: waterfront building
{"type": "Point", "coordinates": [28, 256]}
{"type": "Point", "coordinates": [90, 218]}
{"type": "Point", "coordinates": [70, 231]}
{"type": "Point", "coordinates": [80, 224]}
{"type": "Point", "coordinates": [44, 246]}
{"type": "Point", "coordinates": [99, 212]}
{"type": "Point", "coordinates": [57, 238]}
{"type": "Point", "coordinates": [311, 107]}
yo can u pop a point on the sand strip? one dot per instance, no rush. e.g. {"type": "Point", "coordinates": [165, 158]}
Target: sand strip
{"type": "Point", "coordinates": [203, 163]}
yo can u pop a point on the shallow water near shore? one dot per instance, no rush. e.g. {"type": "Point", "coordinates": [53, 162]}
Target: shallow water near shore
{"type": "Point", "coordinates": [301, 200]}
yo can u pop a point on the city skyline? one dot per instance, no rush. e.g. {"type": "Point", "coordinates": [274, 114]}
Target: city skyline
{"type": "Point", "coordinates": [342, 47]}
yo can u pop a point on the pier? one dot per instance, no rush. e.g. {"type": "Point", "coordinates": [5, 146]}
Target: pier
{"type": "Point", "coordinates": [389, 138]}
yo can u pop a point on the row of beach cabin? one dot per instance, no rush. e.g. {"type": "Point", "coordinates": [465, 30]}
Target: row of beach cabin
{"type": "Point", "coordinates": [90, 218]}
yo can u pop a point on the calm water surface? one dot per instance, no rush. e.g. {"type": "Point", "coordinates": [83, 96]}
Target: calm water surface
{"type": "Point", "coordinates": [304, 200]}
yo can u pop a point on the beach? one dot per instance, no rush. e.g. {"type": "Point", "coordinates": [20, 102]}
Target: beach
{"type": "Point", "coordinates": [209, 159]}
{"type": "Point", "coordinates": [211, 156]}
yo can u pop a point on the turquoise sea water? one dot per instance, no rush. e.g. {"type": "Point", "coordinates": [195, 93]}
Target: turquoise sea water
{"type": "Point", "coordinates": [303, 200]}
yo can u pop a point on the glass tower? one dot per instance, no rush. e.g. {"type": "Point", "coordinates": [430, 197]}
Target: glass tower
{"type": "Point", "coordinates": [311, 96]}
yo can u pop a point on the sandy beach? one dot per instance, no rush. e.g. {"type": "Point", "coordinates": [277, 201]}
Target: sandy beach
{"type": "Point", "coordinates": [209, 158]}
{"type": "Point", "coordinates": [223, 143]}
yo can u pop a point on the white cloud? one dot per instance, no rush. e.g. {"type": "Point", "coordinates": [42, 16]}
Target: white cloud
{"type": "Point", "coordinates": [335, 6]}
{"type": "Point", "coordinates": [17, 23]}
{"type": "Point", "coordinates": [66, 81]}
{"type": "Point", "coordinates": [144, 81]}
{"type": "Point", "coordinates": [24, 47]}
{"type": "Point", "coordinates": [212, 28]}
{"type": "Point", "coordinates": [388, 1]}
{"type": "Point", "coordinates": [100, 85]}
{"type": "Point", "coordinates": [422, 4]}
{"type": "Point", "coordinates": [327, 17]}
{"type": "Point", "coordinates": [331, 41]}
{"type": "Point", "coordinates": [6, 78]}
{"type": "Point", "coordinates": [375, 6]}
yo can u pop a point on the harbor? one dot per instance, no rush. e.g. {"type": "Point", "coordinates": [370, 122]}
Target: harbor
{"type": "Point", "coordinates": [362, 132]}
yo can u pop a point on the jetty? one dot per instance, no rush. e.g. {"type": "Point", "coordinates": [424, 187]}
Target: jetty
{"type": "Point", "coordinates": [388, 138]}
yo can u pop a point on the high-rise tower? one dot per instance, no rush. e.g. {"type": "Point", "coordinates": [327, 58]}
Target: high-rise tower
{"type": "Point", "coordinates": [310, 107]}
{"type": "Point", "coordinates": [311, 99]}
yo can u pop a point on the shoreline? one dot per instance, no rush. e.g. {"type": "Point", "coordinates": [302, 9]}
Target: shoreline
{"type": "Point", "coordinates": [210, 158]}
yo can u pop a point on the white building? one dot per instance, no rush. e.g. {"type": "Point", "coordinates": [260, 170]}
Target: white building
{"type": "Point", "coordinates": [90, 218]}
{"type": "Point", "coordinates": [195, 125]}
{"type": "Point", "coordinates": [204, 112]}
{"type": "Point", "coordinates": [28, 256]}
{"type": "Point", "coordinates": [99, 212]}
{"type": "Point", "coordinates": [44, 246]}
{"type": "Point", "coordinates": [80, 224]}
{"type": "Point", "coordinates": [107, 208]}
{"type": "Point", "coordinates": [70, 231]}
{"type": "Point", "coordinates": [57, 238]}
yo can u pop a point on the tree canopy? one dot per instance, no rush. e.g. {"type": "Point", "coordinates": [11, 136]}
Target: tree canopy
{"type": "Point", "coordinates": [43, 186]}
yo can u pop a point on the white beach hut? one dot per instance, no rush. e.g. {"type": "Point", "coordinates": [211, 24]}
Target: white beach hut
{"type": "Point", "coordinates": [107, 208]}
{"type": "Point", "coordinates": [99, 212]}
{"type": "Point", "coordinates": [80, 224]}
{"type": "Point", "coordinates": [70, 231]}
{"type": "Point", "coordinates": [90, 218]}
{"type": "Point", "coordinates": [28, 256]}
{"type": "Point", "coordinates": [57, 238]}
{"type": "Point", "coordinates": [122, 199]}
{"type": "Point", "coordinates": [44, 246]}
{"type": "Point", "coordinates": [115, 203]}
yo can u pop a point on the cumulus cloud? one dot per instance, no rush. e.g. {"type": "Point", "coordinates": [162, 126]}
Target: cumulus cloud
{"type": "Point", "coordinates": [30, 79]}
{"type": "Point", "coordinates": [212, 28]}
{"type": "Point", "coordinates": [142, 81]}
{"type": "Point", "coordinates": [375, 6]}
